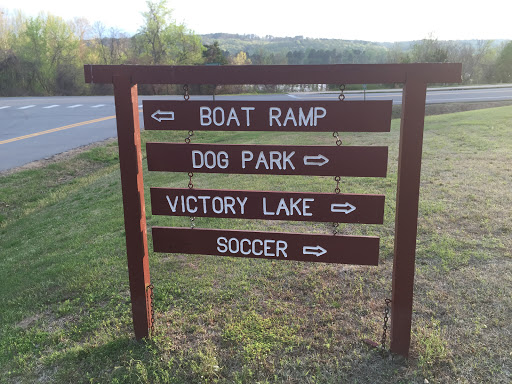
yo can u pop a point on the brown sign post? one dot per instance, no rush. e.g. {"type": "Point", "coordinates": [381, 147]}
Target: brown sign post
{"type": "Point", "coordinates": [368, 116]}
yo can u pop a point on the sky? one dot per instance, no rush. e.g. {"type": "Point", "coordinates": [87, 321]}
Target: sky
{"type": "Point", "coordinates": [372, 20]}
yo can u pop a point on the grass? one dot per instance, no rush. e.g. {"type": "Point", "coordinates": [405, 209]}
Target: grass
{"type": "Point", "coordinates": [65, 308]}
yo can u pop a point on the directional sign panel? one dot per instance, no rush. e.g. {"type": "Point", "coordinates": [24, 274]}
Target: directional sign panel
{"type": "Point", "coordinates": [268, 245]}
{"type": "Point", "coordinates": [306, 116]}
{"type": "Point", "coordinates": [268, 159]}
{"type": "Point", "coordinates": [323, 207]}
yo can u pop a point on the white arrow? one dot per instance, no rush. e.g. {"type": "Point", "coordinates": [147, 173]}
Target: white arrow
{"type": "Point", "coordinates": [159, 112]}
{"type": "Point", "coordinates": [317, 251]}
{"type": "Point", "coordinates": [345, 208]}
{"type": "Point", "coordinates": [315, 160]}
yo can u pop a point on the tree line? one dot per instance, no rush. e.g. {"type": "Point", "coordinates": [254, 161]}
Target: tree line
{"type": "Point", "coordinates": [44, 55]}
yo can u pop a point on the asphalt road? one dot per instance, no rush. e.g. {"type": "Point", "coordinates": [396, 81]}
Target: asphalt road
{"type": "Point", "coordinates": [34, 128]}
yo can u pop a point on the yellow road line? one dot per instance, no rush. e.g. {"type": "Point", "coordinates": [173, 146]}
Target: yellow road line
{"type": "Point", "coordinates": [56, 129]}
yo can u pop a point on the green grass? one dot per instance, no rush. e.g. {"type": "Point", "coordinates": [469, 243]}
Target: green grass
{"type": "Point", "coordinates": [65, 308]}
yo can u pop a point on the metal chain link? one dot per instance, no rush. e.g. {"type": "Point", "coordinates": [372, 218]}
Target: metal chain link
{"type": "Point", "coordinates": [151, 288]}
{"type": "Point", "coordinates": [186, 95]}
{"type": "Point", "coordinates": [190, 134]}
{"type": "Point", "coordinates": [336, 135]}
{"type": "Point", "coordinates": [191, 185]}
{"type": "Point", "coordinates": [385, 326]}
{"type": "Point", "coordinates": [337, 190]}
{"type": "Point", "coordinates": [341, 97]}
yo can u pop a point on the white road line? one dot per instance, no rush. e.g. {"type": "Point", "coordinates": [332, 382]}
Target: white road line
{"type": "Point", "coordinates": [7, 106]}
{"type": "Point", "coordinates": [497, 98]}
{"type": "Point", "coordinates": [294, 97]}
{"type": "Point", "coordinates": [27, 106]}
{"type": "Point", "coordinates": [51, 106]}
{"type": "Point", "coordinates": [75, 106]}
{"type": "Point", "coordinates": [97, 106]}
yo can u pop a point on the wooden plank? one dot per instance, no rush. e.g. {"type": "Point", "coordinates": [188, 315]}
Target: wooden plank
{"type": "Point", "coordinates": [354, 161]}
{"type": "Point", "coordinates": [406, 219]}
{"type": "Point", "coordinates": [323, 207]}
{"type": "Point", "coordinates": [275, 74]}
{"type": "Point", "coordinates": [130, 162]}
{"type": "Point", "coordinates": [357, 250]}
{"type": "Point", "coordinates": [291, 116]}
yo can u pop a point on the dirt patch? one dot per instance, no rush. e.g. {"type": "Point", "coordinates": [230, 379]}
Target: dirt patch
{"type": "Point", "coordinates": [28, 321]}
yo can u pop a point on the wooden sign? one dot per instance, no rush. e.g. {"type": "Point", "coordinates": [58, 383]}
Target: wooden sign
{"type": "Point", "coordinates": [358, 250]}
{"type": "Point", "coordinates": [296, 116]}
{"type": "Point", "coordinates": [316, 116]}
{"type": "Point", "coordinates": [323, 207]}
{"type": "Point", "coordinates": [268, 159]}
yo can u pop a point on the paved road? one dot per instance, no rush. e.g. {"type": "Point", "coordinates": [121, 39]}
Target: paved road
{"type": "Point", "coordinates": [34, 128]}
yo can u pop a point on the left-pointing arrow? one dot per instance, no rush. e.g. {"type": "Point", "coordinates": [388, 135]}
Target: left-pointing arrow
{"type": "Point", "coordinates": [163, 115]}
{"type": "Point", "coordinates": [317, 251]}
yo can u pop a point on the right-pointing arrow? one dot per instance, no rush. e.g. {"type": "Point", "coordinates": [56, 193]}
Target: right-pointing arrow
{"type": "Point", "coordinates": [317, 250]}
{"type": "Point", "coordinates": [345, 208]}
{"type": "Point", "coordinates": [316, 160]}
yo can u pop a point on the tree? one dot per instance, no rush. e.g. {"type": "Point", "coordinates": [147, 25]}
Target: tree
{"type": "Point", "coordinates": [429, 50]}
{"type": "Point", "coordinates": [241, 59]}
{"type": "Point", "coordinates": [161, 41]}
{"type": "Point", "coordinates": [504, 64]}
{"type": "Point", "coordinates": [214, 55]}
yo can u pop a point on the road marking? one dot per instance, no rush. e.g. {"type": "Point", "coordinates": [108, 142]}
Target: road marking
{"type": "Point", "coordinates": [7, 106]}
{"type": "Point", "coordinates": [51, 106]}
{"type": "Point", "coordinates": [496, 98]}
{"type": "Point", "coordinates": [294, 97]}
{"type": "Point", "coordinates": [57, 129]}
{"type": "Point", "coordinates": [27, 106]}
{"type": "Point", "coordinates": [97, 106]}
{"type": "Point", "coordinates": [75, 106]}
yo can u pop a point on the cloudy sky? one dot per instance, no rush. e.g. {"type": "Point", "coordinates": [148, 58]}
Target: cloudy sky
{"type": "Point", "coordinates": [373, 20]}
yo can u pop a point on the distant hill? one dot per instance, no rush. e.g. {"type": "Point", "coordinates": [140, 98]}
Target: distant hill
{"type": "Point", "coordinates": [298, 47]}
{"type": "Point", "coordinates": [251, 44]}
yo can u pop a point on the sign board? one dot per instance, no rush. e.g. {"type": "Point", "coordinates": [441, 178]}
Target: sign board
{"type": "Point", "coordinates": [361, 250]}
{"type": "Point", "coordinates": [345, 116]}
{"type": "Point", "coordinates": [268, 159]}
{"type": "Point", "coordinates": [322, 207]}
{"type": "Point", "coordinates": [306, 116]}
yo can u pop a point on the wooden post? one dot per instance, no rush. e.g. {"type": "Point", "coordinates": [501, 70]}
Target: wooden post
{"type": "Point", "coordinates": [406, 224]}
{"type": "Point", "coordinates": [130, 159]}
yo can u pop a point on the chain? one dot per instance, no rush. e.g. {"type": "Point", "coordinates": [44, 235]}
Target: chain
{"type": "Point", "coordinates": [341, 97]}
{"type": "Point", "coordinates": [385, 326]}
{"type": "Point", "coordinates": [186, 95]}
{"type": "Point", "coordinates": [151, 288]}
{"type": "Point", "coordinates": [337, 190]}
{"type": "Point", "coordinates": [335, 229]}
{"type": "Point", "coordinates": [190, 134]}
{"type": "Point", "coordinates": [190, 186]}
{"type": "Point", "coordinates": [336, 135]}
